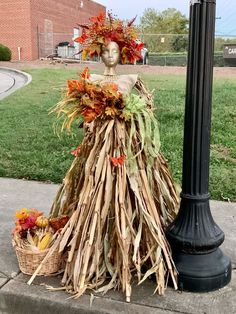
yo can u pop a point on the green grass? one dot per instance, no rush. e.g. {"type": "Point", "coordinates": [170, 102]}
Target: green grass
{"type": "Point", "coordinates": [31, 150]}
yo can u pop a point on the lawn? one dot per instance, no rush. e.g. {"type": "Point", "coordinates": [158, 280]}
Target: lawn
{"type": "Point", "coordinates": [31, 150]}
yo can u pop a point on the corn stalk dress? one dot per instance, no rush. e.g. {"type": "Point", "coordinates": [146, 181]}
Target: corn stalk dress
{"type": "Point", "coordinates": [120, 197]}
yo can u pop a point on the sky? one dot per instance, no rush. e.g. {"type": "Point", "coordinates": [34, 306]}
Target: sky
{"type": "Point", "coordinates": [126, 9]}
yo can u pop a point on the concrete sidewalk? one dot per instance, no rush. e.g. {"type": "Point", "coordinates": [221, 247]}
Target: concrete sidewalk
{"type": "Point", "coordinates": [16, 297]}
{"type": "Point", "coordinates": [11, 80]}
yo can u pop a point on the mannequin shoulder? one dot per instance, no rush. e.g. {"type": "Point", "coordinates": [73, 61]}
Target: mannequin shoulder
{"type": "Point", "coordinates": [127, 82]}
{"type": "Point", "coordinates": [131, 78]}
{"type": "Point", "coordinates": [96, 77]}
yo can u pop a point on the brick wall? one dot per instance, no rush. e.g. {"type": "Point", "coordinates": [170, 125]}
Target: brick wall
{"type": "Point", "coordinates": [53, 22]}
{"type": "Point", "coordinates": [38, 25]}
{"type": "Point", "coordinates": [15, 27]}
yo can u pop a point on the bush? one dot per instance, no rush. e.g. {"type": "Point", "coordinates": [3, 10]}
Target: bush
{"type": "Point", "coordinates": [5, 53]}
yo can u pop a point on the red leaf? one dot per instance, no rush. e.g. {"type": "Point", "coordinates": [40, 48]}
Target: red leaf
{"type": "Point", "coordinates": [84, 26]}
{"type": "Point", "coordinates": [121, 160]}
{"type": "Point", "coordinates": [82, 38]}
{"type": "Point", "coordinates": [140, 46]}
{"type": "Point", "coordinates": [85, 74]}
{"type": "Point", "coordinates": [89, 114]}
{"type": "Point", "coordinates": [76, 151]}
{"type": "Point", "coordinates": [75, 85]}
{"type": "Point", "coordinates": [118, 161]}
{"type": "Point", "coordinates": [131, 21]}
{"type": "Point", "coordinates": [99, 18]}
{"type": "Point", "coordinates": [114, 160]}
{"type": "Point", "coordinates": [110, 16]}
{"type": "Point", "coordinates": [71, 84]}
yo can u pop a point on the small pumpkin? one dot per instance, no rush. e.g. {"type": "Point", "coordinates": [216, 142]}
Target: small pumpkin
{"type": "Point", "coordinates": [42, 222]}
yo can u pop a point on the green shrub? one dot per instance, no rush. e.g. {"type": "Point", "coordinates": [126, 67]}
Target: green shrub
{"type": "Point", "coordinates": [5, 53]}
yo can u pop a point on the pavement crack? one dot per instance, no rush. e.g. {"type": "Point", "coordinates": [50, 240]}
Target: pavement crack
{"type": "Point", "coordinates": [148, 306]}
{"type": "Point", "coordinates": [7, 280]}
{"type": "Point", "coordinates": [12, 276]}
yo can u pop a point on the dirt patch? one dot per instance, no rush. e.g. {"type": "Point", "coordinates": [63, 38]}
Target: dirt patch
{"type": "Point", "coordinates": [223, 72]}
{"type": "Point", "coordinates": [222, 152]}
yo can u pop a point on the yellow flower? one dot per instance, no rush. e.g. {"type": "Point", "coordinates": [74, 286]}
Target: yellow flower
{"type": "Point", "coordinates": [22, 213]}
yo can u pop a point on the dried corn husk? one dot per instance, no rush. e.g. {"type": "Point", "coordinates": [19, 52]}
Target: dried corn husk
{"type": "Point", "coordinates": [118, 214]}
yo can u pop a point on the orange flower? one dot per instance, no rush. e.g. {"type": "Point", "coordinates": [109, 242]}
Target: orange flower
{"type": "Point", "coordinates": [34, 212]}
{"type": "Point", "coordinates": [85, 74]}
{"type": "Point", "coordinates": [26, 219]}
{"type": "Point", "coordinates": [118, 161]}
{"type": "Point", "coordinates": [17, 229]}
{"type": "Point", "coordinates": [22, 213]}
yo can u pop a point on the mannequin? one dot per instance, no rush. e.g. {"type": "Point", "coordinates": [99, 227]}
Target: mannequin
{"type": "Point", "coordinates": [111, 57]}
{"type": "Point", "coordinates": [118, 192]}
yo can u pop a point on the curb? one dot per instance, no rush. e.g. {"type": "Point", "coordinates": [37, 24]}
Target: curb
{"type": "Point", "coordinates": [26, 76]}
{"type": "Point", "coordinates": [19, 78]}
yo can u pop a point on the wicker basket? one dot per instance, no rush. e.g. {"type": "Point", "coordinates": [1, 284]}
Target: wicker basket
{"type": "Point", "coordinates": [29, 261]}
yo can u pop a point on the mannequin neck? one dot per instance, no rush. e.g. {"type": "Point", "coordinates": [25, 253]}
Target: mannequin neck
{"type": "Point", "coordinates": [110, 71]}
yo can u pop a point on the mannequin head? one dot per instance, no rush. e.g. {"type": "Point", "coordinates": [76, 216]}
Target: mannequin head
{"type": "Point", "coordinates": [110, 56]}
{"type": "Point", "coordinates": [102, 30]}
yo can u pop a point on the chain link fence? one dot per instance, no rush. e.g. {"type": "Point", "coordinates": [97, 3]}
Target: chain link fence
{"type": "Point", "coordinates": [163, 49]}
{"type": "Point", "coordinates": [171, 49]}
{"type": "Point", "coordinates": [179, 60]}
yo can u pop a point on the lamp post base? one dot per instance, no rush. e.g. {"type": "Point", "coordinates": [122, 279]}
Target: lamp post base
{"type": "Point", "coordinates": [202, 273]}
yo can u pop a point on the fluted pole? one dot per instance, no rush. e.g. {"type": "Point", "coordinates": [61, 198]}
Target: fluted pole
{"type": "Point", "coordinates": [194, 236]}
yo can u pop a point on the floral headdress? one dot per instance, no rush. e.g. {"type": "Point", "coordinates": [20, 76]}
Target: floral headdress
{"type": "Point", "coordinates": [103, 30]}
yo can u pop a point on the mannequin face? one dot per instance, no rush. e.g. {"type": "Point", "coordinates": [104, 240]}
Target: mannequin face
{"type": "Point", "coordinates": [111, 54]}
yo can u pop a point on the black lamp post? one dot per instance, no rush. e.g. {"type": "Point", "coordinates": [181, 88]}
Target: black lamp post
{"type": "Point", "coordinates": [194, 236]}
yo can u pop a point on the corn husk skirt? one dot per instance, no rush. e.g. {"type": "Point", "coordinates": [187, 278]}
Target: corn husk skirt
{"type": "Point", "coordinates": [118, 213]}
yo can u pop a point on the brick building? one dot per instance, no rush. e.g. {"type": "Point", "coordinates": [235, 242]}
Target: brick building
{"type": "Point", "coordinates": [33, 28]}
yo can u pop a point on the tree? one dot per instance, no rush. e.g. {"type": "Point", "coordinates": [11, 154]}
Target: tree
{"type": "Point", "coordinates": [179, 43]}
{"type": "Point", "coordinates": [170, 21]}
{"type": "Point", "coordinates": [221, 41]}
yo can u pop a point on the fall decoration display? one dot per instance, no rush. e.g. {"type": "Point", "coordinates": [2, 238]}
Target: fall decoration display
{"type": "Point", "coordinates": [101, 30]}
{"type": "Point", "coordinates": [86, 100]}
{"type": "Point", "coordinates": [118, 192]}
{"type": "Point", "coordinates": [58, 223]}
{"type": "Point", "coordinates": [32, 238]}
{"type": "Point", "coordinates": [42, 222]}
